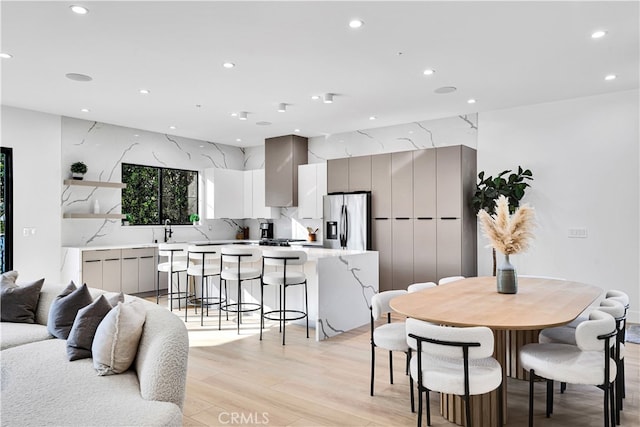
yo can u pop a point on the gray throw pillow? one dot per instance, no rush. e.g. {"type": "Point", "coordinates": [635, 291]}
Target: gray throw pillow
{"type": "Point", "coordinates": [64, 309]}
{"type": "Point", "coordinates": [115, 344]}
{"type": "Point", "coordinates": [84, 328]}
{"type": "Point", "coordinates": [18, 303]}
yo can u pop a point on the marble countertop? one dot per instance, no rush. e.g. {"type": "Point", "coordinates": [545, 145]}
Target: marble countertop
{"type": "Point", "coordinates": [314, 251]}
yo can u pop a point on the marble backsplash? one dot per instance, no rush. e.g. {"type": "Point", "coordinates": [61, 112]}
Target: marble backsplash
{"type": "Point", "coordinates": [104, 147]}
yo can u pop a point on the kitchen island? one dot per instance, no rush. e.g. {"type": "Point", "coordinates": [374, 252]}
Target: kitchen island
{"type": "Point", "coordinates": [340, 282]}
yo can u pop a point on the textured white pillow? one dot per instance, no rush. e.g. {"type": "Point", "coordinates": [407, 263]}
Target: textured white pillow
{"type": "Point", "coordinates": [116, 341]}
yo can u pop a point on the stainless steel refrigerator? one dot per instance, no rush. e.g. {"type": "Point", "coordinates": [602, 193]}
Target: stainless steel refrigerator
{"type": "Point", "coordinates": [347, 219]}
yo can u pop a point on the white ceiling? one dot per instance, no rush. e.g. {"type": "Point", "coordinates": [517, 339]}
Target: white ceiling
{"type": "Point", "coordinates": [504, 54]}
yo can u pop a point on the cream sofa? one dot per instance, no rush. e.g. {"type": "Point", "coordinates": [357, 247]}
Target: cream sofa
{"type": "Point", "coordinates": [40, 386]}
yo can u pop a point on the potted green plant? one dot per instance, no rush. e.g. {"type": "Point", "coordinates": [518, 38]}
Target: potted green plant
{"type": "Point", "coordinates": [128, 219]}
{"type": "Point", "coordinates": [78, 169]}
{"type": "Point", "coordinates": [488, 190]}
{"type": "Point", "coordinates": [194, 218]}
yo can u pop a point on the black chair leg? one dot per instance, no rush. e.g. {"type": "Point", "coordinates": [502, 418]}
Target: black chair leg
{"type": "Point", "coordinates": [373, 364]}
{"type": "Point", "coordinates": [411, 394]}
{"type": "Point", "coordinates": [467, 409]}
{"type": "Point", "coordinates": [531, 379]}
{"type": "Point", "coordinates": [390, 368]}
{"type": "Point", "coordinates": [549, 398]}
{"type": "Point", "coordinates": [420, 407]}
{"type": "Point", "coordinates": [428, 397]}
{"type": "Point", "coordinates": [563, 387]}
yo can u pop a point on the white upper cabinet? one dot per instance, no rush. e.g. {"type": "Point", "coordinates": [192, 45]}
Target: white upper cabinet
{"type": "Point", "coordinates": [224, 193]}
{"type": "Point", "coordinates": [312, 186]}
{"type": "Point", "coordinates": [236, 194]}
{"type": "Point", "coordinates": [259, 209]}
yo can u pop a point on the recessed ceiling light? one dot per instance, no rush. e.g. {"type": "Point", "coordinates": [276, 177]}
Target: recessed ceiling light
{"type": "Point", "coordinates": [78, 77]}
{"type": "Point", "coordinates": [328, 98]}
{"type": "Point", "coordinates": [372, 117]}
{"type": "Point", "coordinates": [6, 55]}
{"type": "Point", "coordinates": [234, 114]}
{"type": "Point", "coordinates": [172, 127]}
{"type": "Point", "coordinates": [282, 107]}
{"type": "Point", "coordinates": [238, 140]}
{"type": "Point", "coordinates": [315, 97]}
{"type": "Point", "coordinates": [296, 130]}
{"type": "Point", "coordinates": [136, 135]}
{"type": "Point", "coordinates": [198, 105]}
{"type": "Point", "coordinates": [471, 101]}
{"type": "Point", "coordinates": [228, 65]}
{"type": "Point", "coordinates": [598, 34]}
{"type": "Point", "coordinates": [445, 89]}
{"type": "Point", "coordinates": [85, 110]}
{"type": "Point", "coordinates": [144, 91]}
{"type": "Point", "coordinates": [242, 115]}
{"type": "Point", "coordinates": [356, 23]}
{"type": "Point", "coordinates": [201, 146]}
{"type": "Point", "coordinates": [80, 10]}
{"type": "Point", "coordinates": [428, 71]}
{"type": "Point", "coordinates": [610, 77]}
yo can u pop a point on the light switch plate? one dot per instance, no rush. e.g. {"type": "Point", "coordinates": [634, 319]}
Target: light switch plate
{"type": "Point", "coordinates": [580, 233]}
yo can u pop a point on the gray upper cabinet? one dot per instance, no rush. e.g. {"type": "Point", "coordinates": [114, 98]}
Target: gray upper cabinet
{"type": "Point", "coordinates": [360, 173]}
{"type": "Point", "coordinates": [449, 194]}
{"type": "Point", "coordinates": [349, 174]}
{"type": "Point", "coordinates": [338, 175]}
{"type": "Point", "coordinates": [381, 186]}
{"type": "Point", "coordinates": [402, 184]}
{"type": "Point", "coordinates": [283, 155]}
{"type": "Point", "coordinates": [424, 184]}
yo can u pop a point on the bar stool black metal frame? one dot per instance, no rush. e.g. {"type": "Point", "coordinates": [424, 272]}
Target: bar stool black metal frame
{"type": "Point", "coordinates": [239, 306]}
{"type": "Point", "coordinates": [206, 300]}
{"type": "Point", "coordinates": [282, 314]}
{"type": "Point", "coordinates": [170, 293]}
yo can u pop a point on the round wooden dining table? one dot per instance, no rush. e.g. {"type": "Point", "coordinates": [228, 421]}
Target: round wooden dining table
{"type": "Point", "coordinates": [516, 320]}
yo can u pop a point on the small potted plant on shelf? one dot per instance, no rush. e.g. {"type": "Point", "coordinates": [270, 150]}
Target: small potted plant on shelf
{"type": "Point", "coordinates": [127, 219]}
{"type": "Point", "coordinates": [78, 169]}
{"type": "Point", "coordinates": [194, 218]}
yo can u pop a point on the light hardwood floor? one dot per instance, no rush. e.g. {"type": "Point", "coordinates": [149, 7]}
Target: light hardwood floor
{"type": "Point", "coordinates": [239, 380]}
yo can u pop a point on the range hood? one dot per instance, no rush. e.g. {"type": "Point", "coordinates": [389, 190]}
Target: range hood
{"type": "Point", "coordinates": [283, 154]}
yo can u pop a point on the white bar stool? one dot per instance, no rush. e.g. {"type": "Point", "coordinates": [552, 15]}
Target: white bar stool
{"type": "Point", "coordinates": [283, 279]}
{"type": "Point", "coordinates": [234, 260]}
{"type": "Point", "coordinates": [176, 264]}
{"type": "Point", "coordinates": [204, 262]}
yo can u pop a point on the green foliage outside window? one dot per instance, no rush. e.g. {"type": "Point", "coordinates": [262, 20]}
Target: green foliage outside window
{"type": "Point", "coordinates": [154, 194]}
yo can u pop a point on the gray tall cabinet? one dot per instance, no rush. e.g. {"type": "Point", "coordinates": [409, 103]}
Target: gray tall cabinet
{"type": "Point", "coordinates": [423, 225]}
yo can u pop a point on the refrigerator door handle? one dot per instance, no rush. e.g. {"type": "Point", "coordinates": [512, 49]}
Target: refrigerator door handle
{"type": "Point", "coordinates": [343, 226]}
{"type": "Point", "coordinates": [346, 227]}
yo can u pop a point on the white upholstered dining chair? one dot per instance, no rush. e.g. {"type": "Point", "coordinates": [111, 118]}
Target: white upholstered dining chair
{"type": "Point", "coordinates": [588, 362]}
{"type": "Point", "coordinates": [390, 336]}
{"type": "Point", "coordinates": [454, 361]}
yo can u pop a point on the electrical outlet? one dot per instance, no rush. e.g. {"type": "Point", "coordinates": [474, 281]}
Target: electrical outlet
{"type": "Point", "coordinates": [580, 233]}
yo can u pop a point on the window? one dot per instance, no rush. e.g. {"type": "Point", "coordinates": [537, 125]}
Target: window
{"type": "Point", "coordinates": [155, 194]}
{"type": "Point", "coordinates": [6, 209]}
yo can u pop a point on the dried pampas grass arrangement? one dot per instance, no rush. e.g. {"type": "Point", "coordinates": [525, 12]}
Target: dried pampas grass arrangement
{"type": "Point", "coordinates": [509, 234]}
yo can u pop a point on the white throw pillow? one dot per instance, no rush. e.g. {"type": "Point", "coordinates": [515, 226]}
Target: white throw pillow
{"type": "Point", "coordinates": [116, 341]}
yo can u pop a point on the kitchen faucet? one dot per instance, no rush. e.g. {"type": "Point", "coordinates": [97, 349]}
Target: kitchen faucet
{"type": "Point", "coordinates": [167, 230]}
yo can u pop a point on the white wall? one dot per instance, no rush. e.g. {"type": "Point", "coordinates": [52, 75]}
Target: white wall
{"type": "Point", "coordinates": [35, 139]}
{"type": "Point", "coordinates": [585, 161]}
{"type": "Point", "coordinates": [104, 147]}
